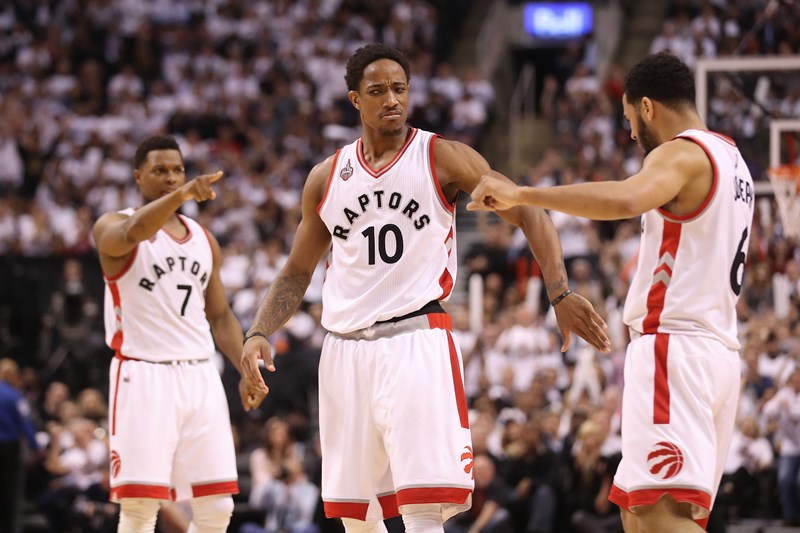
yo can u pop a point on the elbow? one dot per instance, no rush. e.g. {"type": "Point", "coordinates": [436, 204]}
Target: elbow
{"type": "Point", "coordinates": [629, 206]}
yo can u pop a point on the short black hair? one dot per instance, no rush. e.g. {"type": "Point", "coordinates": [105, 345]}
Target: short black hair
{"type": "Point", "coordinates": [156, 142]}
{"type": "Point", "coordinates": [367, 55]}
{"type": "Point", "coordinates": [661, 77]}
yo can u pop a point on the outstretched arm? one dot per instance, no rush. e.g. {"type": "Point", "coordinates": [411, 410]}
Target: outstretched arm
{"type": "Point", "coordinates": [311, 241]}
{"type": "Point", "coordinates": [460, 166]}
{"type": "Point", "coordinates": [666, 172]}
{"type": "Point", "coordinates": [117, 235]}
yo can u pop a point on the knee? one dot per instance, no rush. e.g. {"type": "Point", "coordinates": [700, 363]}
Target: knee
{"type": "Point", "coordinates": [211, 513]}
{"type": "Point", "coordinates": [138, 514]}
{"type": "Point", "coordinates": [351, 525]}
{"type": "Point", "coordinates": [665, 515]}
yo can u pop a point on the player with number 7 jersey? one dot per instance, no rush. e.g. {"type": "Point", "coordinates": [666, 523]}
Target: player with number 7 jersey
{"type": "Point", "coordinates": [165, 307]}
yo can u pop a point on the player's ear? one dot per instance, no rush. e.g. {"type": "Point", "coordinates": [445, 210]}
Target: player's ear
{"type": "Point", "coordinates": [137, 176]}
{"type": "Point", "coordinates": [355, 98]}
{"type": "Point", "coordinates": [647, 109]}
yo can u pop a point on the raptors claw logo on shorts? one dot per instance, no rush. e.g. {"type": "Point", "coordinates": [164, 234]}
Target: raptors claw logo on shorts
{"type": "Point", "coordinates": [116, 463]}
{"type": "Point", "coordinates": [467, 456]}
{"type": "Point", "coordinates": [665, 460]}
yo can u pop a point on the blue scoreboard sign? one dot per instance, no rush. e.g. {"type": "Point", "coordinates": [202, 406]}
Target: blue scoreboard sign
{"type": "Point", "coordinates": [557, 21]}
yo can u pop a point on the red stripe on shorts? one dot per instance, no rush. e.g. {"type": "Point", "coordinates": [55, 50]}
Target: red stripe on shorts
{"type": "Point", "coordinates": [356, 510]}
{"type": "Point", "coordinates": [389, 505]}
{"type": "Point", "coordinates": [425, 495]}
{"type": "Point", "coordinates": [627, 500]}
{"type": "Point", "coordinates": [116, 391]}
{"type": "Point", "coordinates": [219, 487]}
{"type": "Point", "coordinates": [661, 381]}
{"type": "Point", "coordinates": [138, 490]}
{"type": "Point", "coordinates": [458, 383]}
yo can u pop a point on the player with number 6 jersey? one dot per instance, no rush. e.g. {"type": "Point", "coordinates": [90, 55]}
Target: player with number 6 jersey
{"type": "Point", "coordinates": [682, 369]}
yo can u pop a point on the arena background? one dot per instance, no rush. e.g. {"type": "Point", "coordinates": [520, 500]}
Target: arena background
{"type": "Point", "coordinates": [255, 88]}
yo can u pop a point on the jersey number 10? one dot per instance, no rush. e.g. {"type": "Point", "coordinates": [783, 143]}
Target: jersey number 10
{"type": "Point", "coordinates": [369, 234]}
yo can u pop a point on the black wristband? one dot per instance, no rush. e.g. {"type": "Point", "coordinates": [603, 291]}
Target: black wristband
{"type": "Point", "coordinates": [560, 297]}
{"type": "Point", "coordinates": [254, 334]}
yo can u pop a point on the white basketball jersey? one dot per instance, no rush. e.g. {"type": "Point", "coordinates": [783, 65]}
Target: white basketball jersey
{"type": "Point", "coordinates": [691, 267]}
{"type": "Point", "coordinates": [393, 232]}
{"type": "Point", "coordinates": [155, 309]}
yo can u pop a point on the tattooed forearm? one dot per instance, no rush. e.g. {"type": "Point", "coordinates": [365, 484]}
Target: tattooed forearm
{"type": "Point", "coordinates": [546, 247]}
{"type": "Point", "coordinates": [559, 283]}
{"type": "Point", "coordinates": [281, 302]}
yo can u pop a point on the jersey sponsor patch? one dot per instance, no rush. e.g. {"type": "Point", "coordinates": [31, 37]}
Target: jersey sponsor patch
{"type": "Point", "coordinates": [665, 460]}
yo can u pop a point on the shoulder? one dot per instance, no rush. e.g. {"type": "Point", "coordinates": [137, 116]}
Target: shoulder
{"type": "Point", "coordinates": [110, 218]}
{"type": "Point", "coordinates": [458, 164]}
{"type": "Point", "coordinates": [681, 153]}
{"type": "Point", "coordinates": [319, 175]}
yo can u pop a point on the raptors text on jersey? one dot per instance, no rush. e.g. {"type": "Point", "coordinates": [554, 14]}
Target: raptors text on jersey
{"type": "Point", "coordinates": [393, 236]}
{"type": "Point", "coordinates": [155, 308]}
{"type": "Point", "coordinates": [691, 267]}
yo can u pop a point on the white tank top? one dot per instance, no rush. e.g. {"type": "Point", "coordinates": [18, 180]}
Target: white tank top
{"type": "Point", "coordinates": [393, 236]}
{"type": "Point", "coordinates": [691, 267]}
{"type": "Point", "coordinates": [155, 309]}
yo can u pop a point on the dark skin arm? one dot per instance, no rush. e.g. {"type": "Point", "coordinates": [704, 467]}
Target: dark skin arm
{"type": "Point", "coordinates": [460, 167]}
{"type": "Point", "coordinates": [676, 176]}
{"type": "Point", "coordinates": [226, 329]}
{"type": "Point", "coordinates": [311, 241]}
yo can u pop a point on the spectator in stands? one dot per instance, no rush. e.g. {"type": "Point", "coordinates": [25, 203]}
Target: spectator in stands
{"type": "Point", "coordinates": [488, 513]}
{"type": "Point", "coordinates": [784, 408]}
{"type": "Point", "coordinates": [15, 425]}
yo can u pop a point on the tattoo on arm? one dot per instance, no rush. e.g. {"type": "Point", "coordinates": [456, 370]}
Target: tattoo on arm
{"type": "Point", "coordinates": [281, 302]}
{"type": "Point", "coordinates": [561, 282]}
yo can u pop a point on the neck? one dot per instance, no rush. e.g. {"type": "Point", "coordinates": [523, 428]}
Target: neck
{"type": "Point", "coordinates": [377, 143]}
{"type": "Point", "coordinates": [678, 122]}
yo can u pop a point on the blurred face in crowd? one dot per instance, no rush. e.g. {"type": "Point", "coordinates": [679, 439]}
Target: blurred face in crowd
{"type": "Point", "coordinates": [382, 97]}
{"type": "Point", "coordinates": [161, 173]}
{"type": "Point", "coordinates": [639, 117]}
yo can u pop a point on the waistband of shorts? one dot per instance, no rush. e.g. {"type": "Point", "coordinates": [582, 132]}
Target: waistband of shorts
{"type": "Point", "coordinates": [174, 362]}
{"type": "Point", "coordinates": [385, 330]}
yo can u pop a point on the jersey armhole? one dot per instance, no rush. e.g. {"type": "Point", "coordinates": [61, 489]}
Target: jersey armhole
{"type": "Point", "coordinates": [208, 238]}
{"type": "Point", "coordinates": [125, 268]}
{"type": "Point", "coordinates": [330, 180]}
{"type": "Point", "coordinates": [432, 163]}
{"type": "Point", "coordinates": [710, 196]}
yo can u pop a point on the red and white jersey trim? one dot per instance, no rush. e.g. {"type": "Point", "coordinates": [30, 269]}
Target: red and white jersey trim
{"type": "Point", "coordinates": [690, 266]}
{"type": "Point", "coordinates": [392, 236]}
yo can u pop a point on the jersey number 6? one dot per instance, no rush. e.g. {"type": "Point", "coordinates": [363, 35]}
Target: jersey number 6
{"type": "Point", "coordinates": [738, 265]}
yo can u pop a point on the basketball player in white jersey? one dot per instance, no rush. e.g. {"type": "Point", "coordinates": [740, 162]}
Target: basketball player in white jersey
{"type": "Point", "coordinates": [682, 367]}
{"type": "Point", "coordinates": [165, 306]}
{"type": "Point", "coordinates": [393, 416]}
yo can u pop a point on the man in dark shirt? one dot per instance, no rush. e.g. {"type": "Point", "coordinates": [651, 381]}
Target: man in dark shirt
{"type": "Point", "coordinates": [15, 423]}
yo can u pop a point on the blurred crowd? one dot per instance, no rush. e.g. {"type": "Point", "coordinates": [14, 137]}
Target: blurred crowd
{"type": "Point", "coordinates": [256, 88]}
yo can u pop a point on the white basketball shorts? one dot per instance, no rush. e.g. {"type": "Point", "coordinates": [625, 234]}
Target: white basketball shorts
{"type": "Point", "coordinates": [678, 414]}
{"type": "Point", "coordinates": [393, 421]}
{"type": "Point", "coordinates": [170, 431]}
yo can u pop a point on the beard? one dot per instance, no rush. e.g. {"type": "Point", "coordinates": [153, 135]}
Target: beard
{"type": "Point", "coordinates": [647, 140]}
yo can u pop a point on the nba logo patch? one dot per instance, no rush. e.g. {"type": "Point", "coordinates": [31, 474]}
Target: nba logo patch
{"type": "Point", "coordinates": [346, 172]}
{"type": "Point", "coordinates": [665, 460]}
